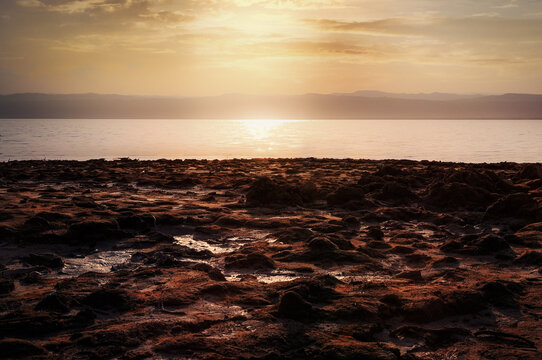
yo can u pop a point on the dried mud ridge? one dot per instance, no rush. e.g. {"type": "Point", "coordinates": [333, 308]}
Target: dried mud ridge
{"type": "Point", "coordinates": [270, 259]}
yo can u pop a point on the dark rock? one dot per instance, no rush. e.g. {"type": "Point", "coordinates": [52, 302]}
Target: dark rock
{"type": "Point", "coordinates": [395, 192]}
{"type": "Point", "coordinates": [83, 318]}
{"type": "Point", "coordinates": [351, 197]}
{"type": "Point", "coordinates": [446, 261]}
{"type": "Point", "coordinates": [530, 171]}
{"type": "Point", "coordinates": [93, 231]}
{"type": "Point", "coordinates": [293, 234]}
{"type": "Point", "coordinates": [50, 261]}
{"type": "Point", "coordinates": [322, 244]}
{"type": "Point", "coordinates": [252, 260]}
{"type": "Point", "coordinates": [6, 286]}
{"type": "Point", "coordinates": [458, 196]}
{"type": "Point", "coordinates": [265, 191]}
{"type": "Point", "coordinates": [293, 306]}
{"type": "Point", "coordinates": [17, 348]}
{"type": "Point", "coordinates": [414, 275]}
{"type": "Point", "coordinates": [451, 304]}
{"type": "Point", "coordinates": [110, 299]}
{"type": "Point", "coordinates": [375, 232]}
{"type": "Point", "coordinates": [503, 293]}
{"type": "Point", "coordinates": [53, 302]}
{"type": "Point", "coordinates": [519, 206]}
{"type": "Point", "coordinates": [529, 258]}
{"type": "Point", "coordinates": [136, 222]}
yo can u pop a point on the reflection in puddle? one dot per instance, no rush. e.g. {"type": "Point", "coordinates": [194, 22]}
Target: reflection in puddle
{"type": "Point", "coordinates": [229, 245]}
{"type": "Point", "coordinates": [100, 262]}
{"type": "Point", "coordinates": [266, 278]}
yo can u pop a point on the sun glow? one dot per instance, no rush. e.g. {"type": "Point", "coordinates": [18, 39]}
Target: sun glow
{"type": "Point", "coordinates": [262, 129]}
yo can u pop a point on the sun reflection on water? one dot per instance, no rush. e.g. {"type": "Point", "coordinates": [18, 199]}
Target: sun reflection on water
{"type": "Point", "coordinates": [262, 129]}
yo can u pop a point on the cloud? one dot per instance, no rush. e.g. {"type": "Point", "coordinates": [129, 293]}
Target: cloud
{"type": "Point", "coordinates": [479, 27]}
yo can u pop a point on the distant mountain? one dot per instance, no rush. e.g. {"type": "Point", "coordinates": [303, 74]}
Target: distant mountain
{"type": "Point", "coordinates": [420, 96]}
{"type": "Point", "coordinates": [359, 105]}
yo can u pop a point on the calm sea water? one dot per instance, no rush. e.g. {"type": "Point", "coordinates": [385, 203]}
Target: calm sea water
{"type": "Point", "coordinates": [447, 140]}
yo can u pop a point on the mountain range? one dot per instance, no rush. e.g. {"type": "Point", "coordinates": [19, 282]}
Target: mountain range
{"type": "Point", "coordinates": [356, 105]}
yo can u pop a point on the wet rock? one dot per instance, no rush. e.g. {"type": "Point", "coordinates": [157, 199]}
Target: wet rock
{"type": "Point", "coordinates": [293, 234]}
{"type": "Point", "coordinates": [293, 306]}
{"type": "Point", "coordinates": [85, 231]}
{"type": "Point", "coordinates": [352, 197]}
{"type": "Point", "coordinates": [488, 244]}
{"type": "Point", "coordinates": [6, 286]}
{"type": "Point", "coordinates": [83, 318]}
{"type": "Point", "coordinates": [375, 232]}
{"type": "Point", "coordinates": [17, 348]}
{"type": "Point", "coordinates": [530, 171]}
{"type": "Point", "coordinates": [531, 239]}
{"type": "Point", "coordinates": [445, 305]}
{"type": "Point", "coordinates": [136, 222]}
{"type": "Point", "coordinates": [37, 224]}
{"type": "Point", "coordinates": [446, 261]}
{"type": "Point", "coordinates": [85, 202]}
{"type": "Point", "coordinates": [50, 261]}
{"type": "Point", "coordinates": [254, 261]}
{"type": "Point", "coordinates": [322, 244]}
{"type": "Point", "coordinates": [265, 191]}
{"type": "Point", "coordinates": [54, 303]}
{"type": "Point", "coordinates": [414, 275]}
{"type": "Point", "coordinates": [395, 192]}
{"type": "Point", "coordinates": [458, 196]}
{"type": "Point", "coordinates": [366, 332]}
{"type": "Point", "coordinates": [503, 293]}
{"type": "Point", "coordinates": [529, 258]}
{"type": "Point", "coordinates": [341, 349]}
{"type": "Point", "coordinates": [518, 206]}
{"type": "Point", "coordinates": [434, 338]}
{"type": "Point", "coordinates": [110, 299]}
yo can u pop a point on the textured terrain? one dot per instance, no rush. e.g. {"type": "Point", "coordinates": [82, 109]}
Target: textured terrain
{"type": "Point", "coordinates": [270, 259]}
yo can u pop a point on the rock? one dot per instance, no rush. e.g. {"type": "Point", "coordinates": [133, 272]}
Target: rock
{"type": "Point", "coordinates": [83, 318]}
{"type": "Point", "coordinates": [445, 305]}
{"type": "Point", "coordinates": [93, 231]}
{"type": "Point", "coordinates": [110, 299]}
{"type": "Point", "coordinates": [293, 306]}
{"type": "Point", "coordinates": [458, 196]}
{"type": "Point", "coordinates": [503, 293]}
{"type": "Point", "coordinates": [253, 260]}
{"type": "Point", "coordinates": [216, 275]}
{"type": "Point", "coordinates": [530, 171]}
{"type": "Point", "coordinates": [265, 191]}
{"type": "Point", "coordinates": [53, 302]}
{"type": "Point", "coordinates": [293, 234]}
{"type": "Point", "coordinates": [353, 197]}
{"type": "Point", "coordinates": [375, 232]}
{"type": "Point", "coordinates": [50, 261]}
{"type": "Point", "coordinates": [529, 258]}
{"type": "Point", "coordinates": [446, 261]}
{"type": "Point", "coordinates": [396, 193]}
{"type": "Point", "coordinates": [136, 222]}
{"type": "Point", "coordinates": [6, 286]}
{"type": "Point", "coordinates": [322, 244]}
{"type": "Point", "coordinates": [17, 348]}
{"type": "Point", "coordinates": [414, 275]}
{"type": "Point", "coordinates": [484, 245]}
{"type": "Point", "coordinates": [519, 206]}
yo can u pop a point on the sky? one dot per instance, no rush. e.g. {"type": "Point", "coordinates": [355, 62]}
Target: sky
{"type": "Point", "coordinates": [210, 47]}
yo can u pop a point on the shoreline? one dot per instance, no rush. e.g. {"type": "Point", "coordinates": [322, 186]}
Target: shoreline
{"type": "Point", "coordinates": [267, 258]}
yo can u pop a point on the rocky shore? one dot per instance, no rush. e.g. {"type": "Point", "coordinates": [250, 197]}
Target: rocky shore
{"type": "Point", "coordinates": [270, 259]}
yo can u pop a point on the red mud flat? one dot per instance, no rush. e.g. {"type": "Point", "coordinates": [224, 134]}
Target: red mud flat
{"type": "Point", "coordinates": [270, 259]}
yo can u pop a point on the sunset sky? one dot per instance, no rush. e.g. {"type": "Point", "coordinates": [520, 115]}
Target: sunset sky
{"type": "Point", "coordinates": [209, 47]}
